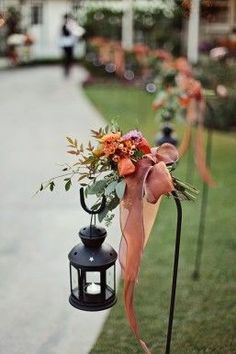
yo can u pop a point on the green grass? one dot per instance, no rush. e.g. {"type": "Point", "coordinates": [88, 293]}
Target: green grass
{"type": "Point", "coordinates": [205, 316]}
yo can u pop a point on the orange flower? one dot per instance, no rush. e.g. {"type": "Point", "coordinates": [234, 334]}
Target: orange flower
{"type": "Point", "coordinates": [183, 66]}
{"type": "Point", "coordinates": [144, 146]}
{"type": "Point", "coordinates": [110, 137]}
{"type": "Point", "coordinates": [163, 55]}
{"type": "Point", "coordinates": [195, 89]}
{"type": "Point", "coordinates": [125, 167]}
{"type": "Point", "coordinates": [109, 149]}
{"type": "Point", "coordinates": [184, 101]}
{"type": "Point", "coordinates": [190, 86]}
{"type": "Point", "coordinates": [110, 143]}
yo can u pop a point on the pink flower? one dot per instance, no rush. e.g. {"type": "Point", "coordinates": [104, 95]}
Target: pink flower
{"type": "Point", "coordinates": [134, 135]}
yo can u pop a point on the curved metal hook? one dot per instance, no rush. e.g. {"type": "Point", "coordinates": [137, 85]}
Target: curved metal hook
{"type": "Point", "coordinates": [90, 211]}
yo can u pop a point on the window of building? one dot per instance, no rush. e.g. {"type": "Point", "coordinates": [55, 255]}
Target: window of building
{"type": "Point", "coordinates": [37, 14]}
{"type": "Point", "coordinates": [219, 11]}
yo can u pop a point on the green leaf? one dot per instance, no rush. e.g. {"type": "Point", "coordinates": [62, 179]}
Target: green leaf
{"type": "Point", "coordinates": [41, 187]}
{"type": "Point", "coordinates": [110, 188]}
{"type": "Point", "coordinates": [120, 189]}
{"type": "Point", "coordinates": [114, 202]}
{"type": "Point", "coordinates": [68, 185]}
{"type": "Point", "coordinates": [97, 187]}
{"type": "Point", "coordinates": [70, 140]}
{"type": "Point", "coordinates": [103, 214]}
{"type": "Point", "coordinates": [51, 186]}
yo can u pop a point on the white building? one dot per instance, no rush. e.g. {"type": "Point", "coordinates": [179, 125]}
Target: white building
{"type": "Point", "coordinates": [43, 20]}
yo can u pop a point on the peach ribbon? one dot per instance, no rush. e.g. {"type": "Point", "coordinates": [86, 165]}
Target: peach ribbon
{"type": "Point", "coordinates": [119, 60]}
{"type": "Point", "coordinates": [144, 189]}
{"type": "Point", "coordinates": [195, 115]}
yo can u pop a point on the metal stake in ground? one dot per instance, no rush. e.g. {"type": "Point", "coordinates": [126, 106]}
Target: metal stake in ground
{"type": "Point", "coordinates": [175, 272]}
{"type": "Point", "coordinates": [189, 164]}
{"type": "Point", "coordinates": [202, 222]}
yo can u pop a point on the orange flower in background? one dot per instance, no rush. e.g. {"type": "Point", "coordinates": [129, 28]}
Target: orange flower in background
{"type": "Point", "coordinates": [194, 89]}
{"type": "Point", "coordinates": [191, 87]}
{"type": "Point", "coordinates": [168, 65]}
{"type": "Point", "coordinates": [183, 66]}
{"type": "Point", "coordinates": [184, 101]}
{"type": "Point", "coordinates": [97, 41]}
{"type": "Point", "coordinates": [141, 49]}
{"type": "Point", "coordinates": [162, 54]}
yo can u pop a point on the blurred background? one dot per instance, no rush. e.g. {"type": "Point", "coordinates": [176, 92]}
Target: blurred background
{"type": "Point", "coordinates": [70, 66]}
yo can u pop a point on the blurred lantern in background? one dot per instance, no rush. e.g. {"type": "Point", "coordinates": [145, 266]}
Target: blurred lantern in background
{"type": "Point", "coordinates": [167, 130]}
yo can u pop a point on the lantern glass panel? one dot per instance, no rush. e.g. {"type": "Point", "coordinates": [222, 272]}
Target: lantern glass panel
{"type": "Point", "coordinates": [110, 281]}
{"type": "Point", "coordinates": [93, 281]}
{"type": "Point", "coordinates": [74, 282]}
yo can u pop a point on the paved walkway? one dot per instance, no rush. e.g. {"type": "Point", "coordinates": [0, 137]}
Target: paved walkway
{"type": "Point", "coordinates": [38, 108]}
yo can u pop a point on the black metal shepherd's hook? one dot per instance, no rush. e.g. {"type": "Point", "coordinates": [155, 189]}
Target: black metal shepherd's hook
{"type": "Point", "coordinates": [204, 202]}
{"type": "Point", "coordinates": [176, 257]}
{"type": "Point", "coordinates": [175, 272]}
{"type": "Point", "coordinates": [91, 211]}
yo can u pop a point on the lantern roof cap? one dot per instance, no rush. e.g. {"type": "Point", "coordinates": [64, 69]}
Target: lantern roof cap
{"type": "Point", "coordinates": [92, 235]}
{"type": "Point", "coordinates": [82, 256]}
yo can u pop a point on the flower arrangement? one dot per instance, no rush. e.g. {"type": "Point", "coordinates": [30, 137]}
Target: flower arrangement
{"type": "Point", "coordinates": [133, 175]}
{"type": "Point", "coordinates": [181, 94]}
{"type": "Point", "coordinates": [102, 169]}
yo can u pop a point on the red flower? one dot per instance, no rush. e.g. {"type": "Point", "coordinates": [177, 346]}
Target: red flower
{"type": "Point", "coordinates": [184, 100]}
{"type": "Point", "coordinates": [144, 146]}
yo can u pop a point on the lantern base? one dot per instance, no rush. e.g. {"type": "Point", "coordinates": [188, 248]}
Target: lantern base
{"type": "Point", "coordinates": [92, 306]}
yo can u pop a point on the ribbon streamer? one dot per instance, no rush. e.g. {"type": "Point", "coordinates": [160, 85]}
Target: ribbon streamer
{"type": "Point", "coordinates": [139, 207]}
{"type": "Point", "coordinates": [195, 115]}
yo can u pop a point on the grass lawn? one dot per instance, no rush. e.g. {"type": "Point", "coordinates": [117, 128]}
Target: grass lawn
{"type": "Point", "coordinates": [205, 316]}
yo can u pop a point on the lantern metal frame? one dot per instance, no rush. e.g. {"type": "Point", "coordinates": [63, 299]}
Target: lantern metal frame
{"type": "Point", "coordinates": [90, 257]}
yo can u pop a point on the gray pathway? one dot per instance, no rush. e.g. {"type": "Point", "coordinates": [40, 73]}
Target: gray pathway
{"type": "Point", "coordinates": [38, 108]}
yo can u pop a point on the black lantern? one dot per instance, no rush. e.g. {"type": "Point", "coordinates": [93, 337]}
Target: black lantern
{"type": "Point", "coordinates": [92, 271]}
{"type": "Point", "coordinates": [166, 136]}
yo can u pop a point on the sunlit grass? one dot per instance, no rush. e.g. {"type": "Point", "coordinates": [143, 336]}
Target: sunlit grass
{"type": "Point", "coordinates": [205, 317]}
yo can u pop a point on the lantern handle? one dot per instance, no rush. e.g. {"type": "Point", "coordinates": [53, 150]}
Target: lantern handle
{"type": "Point", "coordinates": [90, 211]}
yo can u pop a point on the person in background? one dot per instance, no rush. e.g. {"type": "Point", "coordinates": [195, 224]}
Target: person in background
{"type": "Point", "coordinates": [70, 33]}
